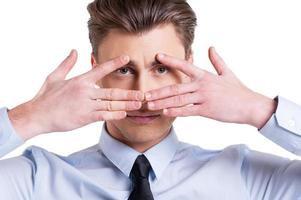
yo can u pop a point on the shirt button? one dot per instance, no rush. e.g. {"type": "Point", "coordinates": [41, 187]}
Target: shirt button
{"type": "Point", "coordinates": [291, 123]}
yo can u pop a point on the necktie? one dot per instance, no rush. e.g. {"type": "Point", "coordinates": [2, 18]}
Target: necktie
{"type": "Point", "coordinates": [139, 175]}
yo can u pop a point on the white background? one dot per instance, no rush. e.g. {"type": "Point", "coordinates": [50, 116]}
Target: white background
{"type": "Point", "coordinates": [260, 41]}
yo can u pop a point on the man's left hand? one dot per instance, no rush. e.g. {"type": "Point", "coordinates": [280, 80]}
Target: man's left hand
{"type": "Point", "coordinates": [221, 97]}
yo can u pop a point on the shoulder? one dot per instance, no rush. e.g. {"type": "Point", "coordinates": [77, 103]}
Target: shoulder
{"type": "Point", "coordinates": [41, 156]}
{"type": "Point", "coordinates": [16, 164]}
{"type": "Point", "coordinates": [237, 151]}
{"type": "Point", "coordinates": [27, 161]}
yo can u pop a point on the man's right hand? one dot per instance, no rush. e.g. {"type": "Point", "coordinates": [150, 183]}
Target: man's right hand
{"type": "Point", "coordinates": [64, 105]}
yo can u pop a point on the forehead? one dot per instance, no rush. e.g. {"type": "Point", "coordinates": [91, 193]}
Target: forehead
{"type": "Point", "coordinates": [141, 47]}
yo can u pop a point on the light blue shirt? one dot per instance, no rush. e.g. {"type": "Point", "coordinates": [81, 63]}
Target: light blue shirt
{"type": "Point", "coordinates": [179, 170]}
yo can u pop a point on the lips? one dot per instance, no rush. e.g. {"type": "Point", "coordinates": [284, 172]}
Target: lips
{"type": "Point", "coordinates": [143, 118]}
{"type": "Point", "coordinates": [143, 113]}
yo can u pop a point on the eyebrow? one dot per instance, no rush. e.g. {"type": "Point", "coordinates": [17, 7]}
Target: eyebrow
{"type": "Point", "coordinates": [134, 64]}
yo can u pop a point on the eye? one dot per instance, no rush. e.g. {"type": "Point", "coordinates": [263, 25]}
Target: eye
{"type": "Point", "coordinates": [161, 69]}
{"type": "Point", "coordinates": [125, 71]}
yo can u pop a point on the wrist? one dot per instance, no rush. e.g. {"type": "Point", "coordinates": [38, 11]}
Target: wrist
{"type": "Point", "coordinates": [24, 121]}
{"type": "Point", "coordinates": [261, 111]}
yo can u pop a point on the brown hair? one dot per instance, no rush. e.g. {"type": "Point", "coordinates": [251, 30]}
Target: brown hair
{"type": "Point", "coordinates": [138, 16]}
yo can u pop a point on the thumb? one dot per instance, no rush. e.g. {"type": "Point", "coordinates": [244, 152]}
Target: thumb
{"type": "Point", "coordinates": [64, 68]}
{"type": "Point", "coordinates": [217, 62]}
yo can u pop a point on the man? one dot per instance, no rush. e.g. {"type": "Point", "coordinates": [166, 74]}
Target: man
{"type": "Point", "coordinates": [143, 77]}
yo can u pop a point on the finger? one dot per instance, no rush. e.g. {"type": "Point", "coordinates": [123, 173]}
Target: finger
{"type": "Point", "coordinates": [117, 94]}
{"type": "Point", "coordinates": [176, 101]}
{"type": "Point", "coordinates": [191, 110]}
{"type": "Point", "coordinates": [171, 90]}
{"type": "Point", "coordinates": [181, 65]}
{"type": "Point", "coordinates": [217, 62]}
{"type": "Point", "coordinates": [104, 69]}
{"type": "Point", "coordinates": [107, 115]}
{"type": "Point", "coordinates": [117, 105]}
{"type": "Point", "coordinates": [64, 68]}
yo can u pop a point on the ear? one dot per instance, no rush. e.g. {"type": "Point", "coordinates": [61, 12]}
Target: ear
{"type": "Point", "coordinates": [93, 60]}
{"type": "Point", "coordinates": [94, 64]}
{"type": "Point", "coordinates": [190, 57]}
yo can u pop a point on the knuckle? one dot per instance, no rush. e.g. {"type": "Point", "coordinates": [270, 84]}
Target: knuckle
{"type": "Point", "coordinates": [173, 112]}
{"type": "Point", "coordinates": [105, 116]}
{"type": "Point", "coordinates": [98, 117]}
{"type": "Point", "coordinates": [109, 106]}
{"type": "Point", "coordinates": [109, 116]}
{"type": "Point", "coordinates": [138, 95]}
{"type": "Point", "coordinates": [131, 95]}
{"type": "Point", "coordinates": [129, 106]}
{"type": "Point", "coordinates": [49, 78]}
{"type": "Point", "coordinates": [174, 89]}
{"type": "Point", "coordinates": [198, 82]}
{"type": "Point", "coordinates": [157, 104]}
{"type": "Point", "coordinates": [108, 94]}
{"type": "Point", "coordinates": [153, 94]}
{"type": "Point", "coordinates": [205, 96]}
{"type": "Point", "coordinates": [178, 99]}
{"type": "Point", "coordinates": [118, 61]}
{"type": "Point", "coordinates": [126, 106]}
{"type": "Point", "coordinates": [199, 96]}
{"type": "Point", "coordinates": [102, 70]}
{"type": "Point", "coordinates": [112, 94]}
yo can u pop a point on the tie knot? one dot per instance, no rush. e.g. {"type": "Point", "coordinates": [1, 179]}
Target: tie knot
{"type": "Point", "coordinates": [140, 168]}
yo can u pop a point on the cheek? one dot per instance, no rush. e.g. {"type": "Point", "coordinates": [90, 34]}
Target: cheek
{"type": "Point", "coordinates": [169, 79]}
{"type": "Point", "coordinates": [110, 82]}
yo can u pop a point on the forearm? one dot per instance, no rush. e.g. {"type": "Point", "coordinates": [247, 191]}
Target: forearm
{"type": "Point", "coordinates": [260, 110]}
{"type": "Point", "coordinates": [24, 121]}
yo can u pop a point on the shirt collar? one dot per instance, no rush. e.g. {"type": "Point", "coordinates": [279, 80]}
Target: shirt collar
{"type": "Point", "coordinates": [123, 156]}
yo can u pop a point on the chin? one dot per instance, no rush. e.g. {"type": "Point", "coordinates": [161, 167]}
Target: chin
{"type": "Point", "coordinates": [132, 132]}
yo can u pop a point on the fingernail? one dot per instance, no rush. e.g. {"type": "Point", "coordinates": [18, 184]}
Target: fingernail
{"type": "Point", "coordinates": [151, 105]}
{"type": "Point", "coordinates": [138, 104]}
{"type": "Point", "coordinates": [214, 50]}
{"type": "Point", "coordinates": [148, 96]}
{"type": "Point", "coordinates": [70, 53]}
{"type": "Point", "coordinates": [125, 58]}
{"type": "Point", "coordinates": [165, 111]}
{"type": "Point", "coordinates": [161, 55]}
{"type": "Point", "coordinates": [139, 96]}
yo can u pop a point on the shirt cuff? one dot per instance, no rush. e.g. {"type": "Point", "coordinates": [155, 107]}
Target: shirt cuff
{"type": "Point", "coordinates": [9, 139]}
{"type": "Point", "coordinates": [284, 127]}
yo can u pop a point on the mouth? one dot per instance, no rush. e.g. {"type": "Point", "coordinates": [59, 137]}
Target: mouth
{"type": "Point", "coordinates": [143, 118]}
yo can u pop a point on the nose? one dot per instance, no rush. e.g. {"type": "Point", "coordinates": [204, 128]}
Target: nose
{"type": "Point", "coordinates": [145, 83]}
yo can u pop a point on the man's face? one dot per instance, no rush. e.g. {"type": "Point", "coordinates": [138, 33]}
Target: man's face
{"type": "Point", "coordinates": [143, 73]}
